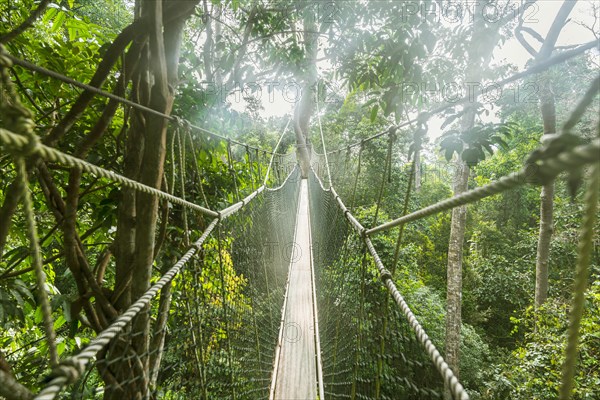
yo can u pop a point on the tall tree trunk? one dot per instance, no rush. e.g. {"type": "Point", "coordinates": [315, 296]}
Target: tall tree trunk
{"type": "Point", "coordinates": [207, 52]}
{"type": "Point", "coordinates": [417, 162]}
{"type": "Point", "coordinates": [546, 205]}
{"type": "Point", "coordinates": [547, 195]}
{"type": "Point", "coordinates": [304, 107]}
{"type": "Point", "coordinates": [479, 56]}
{"type": "Point", "coordinates": [455, 257]}
{"type": "Point", "coordinates": [156, 78]}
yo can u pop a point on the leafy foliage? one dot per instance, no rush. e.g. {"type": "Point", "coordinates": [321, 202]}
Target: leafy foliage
{"type": "Point", "coordinates": [471, 145]}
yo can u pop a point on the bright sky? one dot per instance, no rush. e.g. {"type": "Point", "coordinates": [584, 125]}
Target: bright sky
{"type": "Point", "coordinates": [539, 17]}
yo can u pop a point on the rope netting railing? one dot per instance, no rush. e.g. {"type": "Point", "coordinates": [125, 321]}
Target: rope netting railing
{"type": "Point", "coordinates": [200, 330]}
{"type": "Point", "coordinates": [352, 303]}
{"type": "Point", "coordinates": [228, 269]}
{"type": "Point", "coordinates": [363, 175]}
{"type": "Point", "coordinates": [222, 324]}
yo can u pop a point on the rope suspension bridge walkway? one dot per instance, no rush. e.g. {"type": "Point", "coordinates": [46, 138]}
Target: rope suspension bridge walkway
{"type": "Point", "coordinates": [272, 297]}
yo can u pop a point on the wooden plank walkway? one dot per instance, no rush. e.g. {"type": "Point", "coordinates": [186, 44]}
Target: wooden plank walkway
{"type": "Point", "coordinates": [297, 366]}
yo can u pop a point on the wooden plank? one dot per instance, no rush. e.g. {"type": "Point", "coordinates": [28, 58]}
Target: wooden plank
{"type": "Point", "coordinates": [296, 367]}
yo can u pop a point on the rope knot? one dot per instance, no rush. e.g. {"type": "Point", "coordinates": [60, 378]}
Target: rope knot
{"type": "Point", "coordinates": [178, 122]}
{"type": "Point", "coordinates": [538, 168]}
{"type": "Point", "coordinates": [385, 275]}
{"type": "Point", "coordinates": [71, 369]}
{"type": "Point", "coordinates": [33, 141]}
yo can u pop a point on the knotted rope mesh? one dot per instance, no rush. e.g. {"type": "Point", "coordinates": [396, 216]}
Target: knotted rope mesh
{"type": "Point", "coordinates": [351, 301]}
{"type": "Point", "coordinates": [222, 314]}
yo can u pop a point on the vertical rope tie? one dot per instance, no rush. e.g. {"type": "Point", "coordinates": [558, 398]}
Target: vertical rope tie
{"type": "Point", "coordinates": [182, 156]}
{"type": "Point", "coordinates": [274, 153]}
{"type": "Point", "coordinates": [36, 255]}
{"type": "Point", "coordinates": [418, 137]}
{"type": "Point", "coordinates": [232, 171]}
{"type": "Point", "coordinates": [329, 179]}
{"type": "Point", "coordinates": [251, 167]}
{"type": "Point", "coordinates": [196, 166]}
{"type": "Point", "coordinates": [385, 176]}
{"type": "Point", "coordinates": [258, 162]}
{"type": "Point", "coordinates": [353, 198]}
{"type": "Point", "coordinates": [20, 119]}
{"type": "Point", "coordinates": [585, 248]}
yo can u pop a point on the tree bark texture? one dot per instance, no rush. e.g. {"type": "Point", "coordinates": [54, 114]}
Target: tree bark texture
{"type": "Point", "coordinates": [548, 110]}
{"type": "Point", "coordinates": [305, 107]}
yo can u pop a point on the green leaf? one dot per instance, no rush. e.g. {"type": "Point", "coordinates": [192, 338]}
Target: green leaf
{"type": "Point", "coordinates": [374, 112]}
{"type": "Point", "coordinates": [58, 21]}
{"type": "Point", "coordinates": [38, 317]}
{"type": "Point", "coordinates": [449, 154]}
{"type": "Point", "coordinates": [50, 13]}
{"type": "Point", "coordinates": [470, 156]}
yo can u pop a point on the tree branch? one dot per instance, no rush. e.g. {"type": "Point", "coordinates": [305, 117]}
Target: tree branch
{"type": "Point", "coordinates": [533, 33]}
{"type": "Point", "coordinates": [25, 24]}
{"type": "Point", "coordinates": [559, 22]}
{"type": "Point", "coordinates": [20, 85]}
{"type": "Point", "coordinates": [11, 389]}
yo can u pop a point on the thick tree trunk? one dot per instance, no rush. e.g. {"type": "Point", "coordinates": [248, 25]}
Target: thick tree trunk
{"type": "Point", "coordinates": [154, 83]}
{"type": "Point", "coordinates": [547, 196]}
{"type": "Point", "coordinates": [304, 107]}
{"type": "Point", "coordinates": [455, 257]}
{"type": "Point", "coordinates": [546, 205]}
{"type": "Point", "coordinates": [417, 162]}
{"type": "Point", "coordinates": [479, 56]}
{"type": "Point", "coordinates": [543, 245]}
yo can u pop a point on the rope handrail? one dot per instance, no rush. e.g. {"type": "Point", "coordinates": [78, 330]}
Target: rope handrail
{"type": "Point", "coordinates": [70, 369]}
{"type": "Point", "coordinates": [274, 152]}
{"type": "Point", "coordinates": [323, 144]}
{"type": "Point", "coordinates": [287, 178]}
{"type": "Point", "coordinates": [577, 157]}
{"type": "Point", "coordinates": [566, 55]}
{"type": "Point", "coordinates": [172, 118]}
{"type": "Point", "coordinates": [22, 143]}
{"type": "Point", "coordinates": [458, 391]}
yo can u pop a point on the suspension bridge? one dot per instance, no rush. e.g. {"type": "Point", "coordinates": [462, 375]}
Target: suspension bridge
{"type": "Point", "coordinates": [273, 295]}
